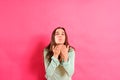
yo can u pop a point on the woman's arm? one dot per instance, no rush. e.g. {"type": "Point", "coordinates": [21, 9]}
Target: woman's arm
{"type": "Point", "coordinates": [69, 65]}
{"type": "Point", "coordinates": [50, 66]}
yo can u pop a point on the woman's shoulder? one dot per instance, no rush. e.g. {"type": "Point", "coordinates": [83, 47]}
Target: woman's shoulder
{"type": "Point", "coordinates": [71, 52]}
{"type": "Point", "coordinates": [45, 50]}
{"type": "Point", "coordinates": [71, 49]}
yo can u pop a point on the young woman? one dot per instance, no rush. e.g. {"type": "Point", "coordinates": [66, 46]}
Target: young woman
{"type": "Point", "coordinates": [59, 57]}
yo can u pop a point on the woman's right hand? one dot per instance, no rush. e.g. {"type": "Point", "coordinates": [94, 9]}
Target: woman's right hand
{"type": "Point", "coordinates": [56, 51]}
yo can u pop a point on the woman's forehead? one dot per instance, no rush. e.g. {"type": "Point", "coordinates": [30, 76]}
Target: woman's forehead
{"type": "Point", "coordinates": [59, 30]}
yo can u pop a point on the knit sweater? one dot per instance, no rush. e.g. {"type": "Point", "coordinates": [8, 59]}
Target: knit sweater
{"type": "Point", "coordinates": [56, 70]}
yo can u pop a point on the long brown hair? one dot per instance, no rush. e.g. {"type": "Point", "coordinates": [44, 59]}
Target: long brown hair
{"type": "Point", "coordinates": [52, 42]}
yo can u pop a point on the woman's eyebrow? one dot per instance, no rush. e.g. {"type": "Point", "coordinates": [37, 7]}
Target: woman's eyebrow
{"type": "Point", "coordinates": [59, 32]}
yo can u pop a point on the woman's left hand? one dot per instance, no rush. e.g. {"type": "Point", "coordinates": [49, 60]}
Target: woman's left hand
{"type": "Point", "coordinates": [64, 52]}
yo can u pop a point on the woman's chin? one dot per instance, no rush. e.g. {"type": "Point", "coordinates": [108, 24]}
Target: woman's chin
{"type": "Point", "coordinates": [59, 43]}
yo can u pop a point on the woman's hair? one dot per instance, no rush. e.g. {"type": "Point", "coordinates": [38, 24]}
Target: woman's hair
{"type": "Point", "coordinates": [52, 42]}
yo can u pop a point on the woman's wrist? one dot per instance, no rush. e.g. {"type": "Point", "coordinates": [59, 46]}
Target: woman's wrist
{"type": "Point", "coordinates": [56, 56]}
{"type": "Point", "coordinates": [66, 59]}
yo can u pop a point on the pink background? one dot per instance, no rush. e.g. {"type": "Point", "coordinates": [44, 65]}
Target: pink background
{"type": "Point", "coordinates": [93, 28]}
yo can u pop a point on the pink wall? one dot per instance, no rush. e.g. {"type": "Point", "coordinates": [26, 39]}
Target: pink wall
{"type": "Point", "coordinates": [93, 27]}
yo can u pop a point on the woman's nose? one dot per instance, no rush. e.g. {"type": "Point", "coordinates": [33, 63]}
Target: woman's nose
{"type": "Point", "coordinates": [60, 36]}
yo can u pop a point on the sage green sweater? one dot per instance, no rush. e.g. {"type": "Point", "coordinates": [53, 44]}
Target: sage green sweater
{"type": "Point", "coordinates": [59, 71]}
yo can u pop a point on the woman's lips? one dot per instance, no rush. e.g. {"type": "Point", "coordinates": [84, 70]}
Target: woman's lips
{"type": "Point", "coordinates": [60, 39]}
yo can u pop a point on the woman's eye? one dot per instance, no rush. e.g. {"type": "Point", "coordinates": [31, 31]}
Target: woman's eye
{"type": "Point", "coordinates": [57, 34]}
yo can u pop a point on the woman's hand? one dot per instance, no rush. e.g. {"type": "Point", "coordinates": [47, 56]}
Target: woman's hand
{"type": "Point", "coordinates": [64, 52]}
{"type": "Point", "coordinates": [56, 51]}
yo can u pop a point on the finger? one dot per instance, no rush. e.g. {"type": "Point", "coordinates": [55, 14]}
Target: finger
{"type": "Point", "coordinates": [53, 47]}
{"type": "Point", "coordinates": [67, 46]}
{"type": "Point", "coordinates": [56, 47]}
{"type": "Point", "coordinates": [64, 46]}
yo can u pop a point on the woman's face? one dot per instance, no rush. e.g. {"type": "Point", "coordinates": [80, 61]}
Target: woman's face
{"type": "Point", "coordinates": [59, 36]}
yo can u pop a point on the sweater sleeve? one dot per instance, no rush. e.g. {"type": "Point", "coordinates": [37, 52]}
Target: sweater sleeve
{"type": "Point", "coordinates": [69, 65]}
{"type": "Point", "coordinates": [50, 66]}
